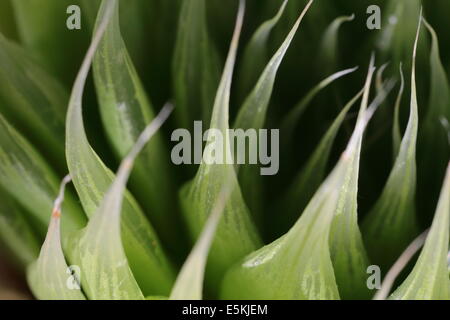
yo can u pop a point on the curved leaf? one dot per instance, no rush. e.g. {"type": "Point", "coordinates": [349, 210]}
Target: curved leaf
{"type": "Point", "coordinates": [396, 135]}
{"type": "Point", "coordinates": [433, 145]}
{"type": "Point", "coordinates": [125, 111]}
{"type": "Point", "coordinates": [26, 176]}
{"type": "Point", "coordinates": [236, 235]}
{"type": "Point", "coordinates": [328, 52]}
{"type": "Point", "coordinates": [32, 100]}
{"type": "Point", "coordinates": [49, 276]}
{"type": "Point", "coordinates": [391, 224]}
{"type": "Point", "coordinates": [429, 279]}
{"type": "Point", "coordinates": [298, 265]}
{"type": "Point", "coordinates": [195, 65]}
{"type": "Point", "coordinates": [291, 119]}
{"type": "Point", "coordinates": [92, 179]}
{"type": "Point", "coordinates": [309, 178]}
{"type": "Point", "coordinates": [256, 54]}
{"type": "Point", "coordinates": [348, 254]}
{"type": "Point", "coordinates": [16, 232]}
{"type": "Point", "coordinates": [189, 284]}
{"type": "Point", "coordinates": [42, 29]}
{"type": "Point", "coordinates": [252, 115]}
{"type": "Point", "coordinates": [107, 274]}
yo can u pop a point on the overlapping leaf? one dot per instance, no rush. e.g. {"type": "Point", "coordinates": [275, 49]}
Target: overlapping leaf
{"type": "Point", "coordinates": [49, 276]}
{"type": "Point", "coordinates": [391, 225]}
{"type": "Point", "coordinates": [429, 279]}
{"type": "Point", "coordinates": [189, 284]}
{"type": "Point", "coordinates": [92, 179]}
{"type": "Point", "coordinates": [309, 178]}
{"type": "Point", "coordinates": [125, 112]}
{"type": "Point", "coordinates": [32, 100]}
{"type": "Point", "coordinates": [256, 54]}
{"type": "Point", "coordinates": [252, 115]}
{"type": "Point", "coordinates": [433, 148]}
{"type": "Point", "coordinates": [298, 265]}
{"type": "Point", "coordinates": [236, 235]}
{"type": "Point", "coordinates": [26, 176]}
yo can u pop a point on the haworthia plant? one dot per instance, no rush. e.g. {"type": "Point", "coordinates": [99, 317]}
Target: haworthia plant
{"type": "Point", "coordinates": [203, 229]}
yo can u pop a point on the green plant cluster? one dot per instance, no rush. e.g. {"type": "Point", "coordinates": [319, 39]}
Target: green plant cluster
{"type": "Point", "coordinates": [364, 120]}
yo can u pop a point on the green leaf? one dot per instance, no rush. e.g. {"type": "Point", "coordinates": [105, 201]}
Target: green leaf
{"type": "Point", "coordinates": [252, 115]}
{"type": "Point", "coordinates": [433, 148]}
{"type": "Point", "coordinates": [429, 279]}
{"type": "Point", "coordinates": [125, 111]}
{"type": "Point", "coordinates": [42, 29]}
{"type": "Point", "coordinates": [236, 235]}
{"type": "Point", "coordinates": [189, 284]}
{"type": "Point", "coordinates": [298, 265]}
{"type": "Point", "coordinates": [49, 277]}
{"type": "Point", "coordinates": [92, 179]}
{"type": "Point", "coordinates": [101, 254]}
{"type": "Point", "coordinates": [309, 178]}
{"type": "Point", "coordinates": [348, 254]}
{"type": "Point", "coordinates": [328, 52]}
{"type": "Point", "coordinates": [7, 22]}
{"type": "Point", "coordinates": [26, 176]}
{"type": "Point", "coordinates": [396, 37]}
{"type": "Point", "coordinates": [32, 100]}
{"type": "Point", "coordinates": [195, 69]}
{"type": "Point", "coordinates": [16, 232]}
{"type": "Point", "coordinates": [291, 119]}
{"type": "Point", "coordinates": [256, 54]}
{"type": "Point", "coordinates": [396, 134]}
{"type": "Point", "coordinates": [391, 224]}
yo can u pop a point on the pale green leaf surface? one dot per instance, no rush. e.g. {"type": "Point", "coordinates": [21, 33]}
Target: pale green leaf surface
{"type": "Point", "coordinates": [92, 179]}
{"type": "Point", "coordinates": [309, 178]}
{"type": "Point", "coordinates": [125, 111]}
{"type": "Point", "coordinates": [236, 235]}
{"type": "Point", "coordinates": [298, 265]}
{"type": "Point", "coordinates": [99, 248]}
{"type": "Point", "coordinates": [429, 280]}
{"type": "Point", "coordinates": [49, 276]}
{"type": "Point", "coordinates": [189, 283]}
{"type": "Point", "coordinates": [348, 254]}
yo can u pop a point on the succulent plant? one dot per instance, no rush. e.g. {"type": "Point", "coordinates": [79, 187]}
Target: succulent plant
{"type": "Point", "coordinates": [92, 205]}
